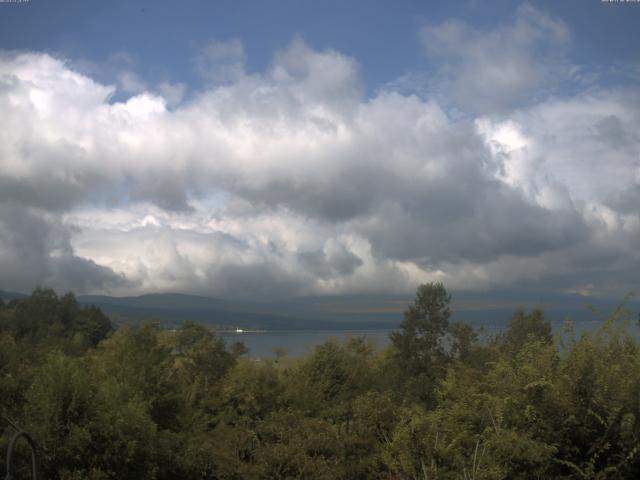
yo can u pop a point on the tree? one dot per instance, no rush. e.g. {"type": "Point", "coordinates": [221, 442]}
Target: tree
{"type": "Point", "coordinates": [58, 406]}
{"type": "Point", "coordinates": [45, 317]}
{"type": "Point", "coordinates": [527, 327]}
{"type": "Point", "coordinates": [204, 355]}
{"type": "Point", "coordinates": [463, 340]}
{"type": "Point", "coordinates": [93, 324]}
{"type": "Point", "coordinates": [418, 343]}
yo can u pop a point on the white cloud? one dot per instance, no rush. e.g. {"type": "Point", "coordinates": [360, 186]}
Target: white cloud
{"type": "Point", "coordinates": [130, 83]}
{"type": "Point", "coordinates": [221, 62]}
{"type": "Point", "coordinates": [291, 181]}
{"type": "Point", "coordinates": [173, 93]}
{"type": "Point", "coordinates": [494, 70]}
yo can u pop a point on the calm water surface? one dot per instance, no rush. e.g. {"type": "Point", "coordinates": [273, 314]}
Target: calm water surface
{"type": "Point", "coordinates": [299, 342]}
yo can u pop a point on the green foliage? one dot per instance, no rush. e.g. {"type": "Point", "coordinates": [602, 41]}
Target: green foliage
{"type": "Point", "coordinates": [251, 392]}
{"type": "Point", "coordinates": [419, 348]}
{"type": "Point", "coordinates": [425, 323]}
{"type": "Point", "coordinates": [464, 340]}
{"type": "Point", "coordinates": [143, 402]}
{"type": "Point", "coordinates": [526, 327]}
{"type": "Point", "coordinates": [45, 317]}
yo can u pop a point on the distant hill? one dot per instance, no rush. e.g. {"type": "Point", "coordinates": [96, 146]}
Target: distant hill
{"type": "Point", "coordinates": [338, 311]}
{"type": "Point", "coordinates": [11, 295]}
{"type": "Point", "coordinates": [174, 308]}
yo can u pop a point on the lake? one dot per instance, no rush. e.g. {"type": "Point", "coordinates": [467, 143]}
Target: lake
{"type": "Point", "coordinates": [299, 342]}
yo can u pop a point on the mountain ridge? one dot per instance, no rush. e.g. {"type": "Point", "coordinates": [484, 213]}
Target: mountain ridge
{"type": "Point", "coordinates": [333, 311]}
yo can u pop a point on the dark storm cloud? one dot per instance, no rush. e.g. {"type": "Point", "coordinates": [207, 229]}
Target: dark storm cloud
{"type": "Point", "coordinates": [350, 193]}
{"type": "Point", "coordinates": [489, 224]}
{"type": "Point", "coordinates": [168, 193]}
{"type": "Point", "coordinates": [344, 262]}
{"type": "Point", "coordinates": [35, 250]}
{"type": "Point", "coordinates": [626, 201]}
{"type": "Point", "coordinates": [340, 262]}
{"type": "Point", "coordinates": [40, 193]}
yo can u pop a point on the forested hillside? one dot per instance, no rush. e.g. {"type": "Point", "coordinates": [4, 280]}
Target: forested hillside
{"type": "Point", "coordinates": [147, 403]}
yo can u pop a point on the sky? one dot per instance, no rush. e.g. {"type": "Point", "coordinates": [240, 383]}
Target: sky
{"type": "Point", "coordinates": [273, 149]}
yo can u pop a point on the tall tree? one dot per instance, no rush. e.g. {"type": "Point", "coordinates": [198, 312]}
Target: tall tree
{"type": "Point", "coordinates": [418, 343]}
{"type": "Point", "coordinates": [527, 327]}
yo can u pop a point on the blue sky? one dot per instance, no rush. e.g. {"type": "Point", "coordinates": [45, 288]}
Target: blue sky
{"type": "Point", "coordinates": [164, 37]}
{"type": "Point", "coordinates": [276, 149]}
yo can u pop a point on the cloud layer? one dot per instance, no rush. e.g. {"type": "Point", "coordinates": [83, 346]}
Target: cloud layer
{"type": "Point", "coordinates": [295, 181]}
{"type": "Point", "coordinates": [497, 69]}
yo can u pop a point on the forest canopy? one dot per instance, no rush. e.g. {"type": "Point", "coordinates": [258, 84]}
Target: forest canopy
{"type": "Point", "coordinates": [438, 403]}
